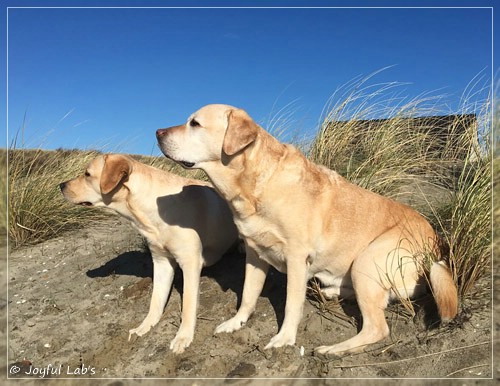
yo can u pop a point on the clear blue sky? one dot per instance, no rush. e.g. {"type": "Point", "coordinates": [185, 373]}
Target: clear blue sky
{"type": "Point", "coordinates": [108, 78]}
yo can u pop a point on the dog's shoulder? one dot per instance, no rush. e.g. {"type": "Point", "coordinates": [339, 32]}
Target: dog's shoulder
{"type": "Point", "coordinates": [309, 176]}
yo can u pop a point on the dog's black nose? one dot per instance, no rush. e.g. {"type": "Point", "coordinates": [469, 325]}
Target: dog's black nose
{"type": "Point", "coordinates": [160, 133]}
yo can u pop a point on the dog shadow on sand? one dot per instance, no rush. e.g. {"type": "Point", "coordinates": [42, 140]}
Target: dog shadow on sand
{"type": "Point", "coordinates": [228, 273]}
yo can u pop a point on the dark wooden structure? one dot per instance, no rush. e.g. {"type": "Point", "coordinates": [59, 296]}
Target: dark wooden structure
{"type": "Point", "coordinates": [448, 136]}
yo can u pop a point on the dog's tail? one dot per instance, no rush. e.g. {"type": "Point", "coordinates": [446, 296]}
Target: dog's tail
{"type": "Point", "coordinates": [444, 290]}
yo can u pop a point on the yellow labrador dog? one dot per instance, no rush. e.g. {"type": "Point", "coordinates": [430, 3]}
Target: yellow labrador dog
{"type": "Point", "coordinates": [184, 221]}
{"type": "Point", "coordinates": [308, 221]}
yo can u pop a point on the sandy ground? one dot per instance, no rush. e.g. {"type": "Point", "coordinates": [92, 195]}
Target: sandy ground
{"type": "Point", "coordinates": [72, 300]}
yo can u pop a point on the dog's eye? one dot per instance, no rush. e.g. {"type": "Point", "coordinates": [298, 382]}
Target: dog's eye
{"type": "Point", "coordinates": [194, 123]}
{"type": "Point", "coordinates": [87, 174]}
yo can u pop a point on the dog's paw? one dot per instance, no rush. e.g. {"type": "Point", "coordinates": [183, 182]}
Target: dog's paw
{"type": "Point", "coordinates": [230, 325]}
{"type": "Point", "coordinates": [280, 340]}
{"type": "Point", "coordinates": [140, 331]}
{"type": "Point", "coordinates": [330, 351]}
{"type": "Point", "coordinates": [180, 343]}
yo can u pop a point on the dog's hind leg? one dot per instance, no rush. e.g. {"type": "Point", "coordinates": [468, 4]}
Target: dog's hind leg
{"type": "Point", "coordinates": [369, 280]}
{"type": "Point", "coordinates": [163, 276]}
{"type": "Point", "coordinates": [389, 264]}
{"type": "Point", "coordinates": [372, 305]}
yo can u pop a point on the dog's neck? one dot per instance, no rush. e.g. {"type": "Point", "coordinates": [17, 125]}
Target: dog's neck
{"type": "Point", "coordinates": [133, 204]}
{"type": "Point", "coordinates": [247, 171]}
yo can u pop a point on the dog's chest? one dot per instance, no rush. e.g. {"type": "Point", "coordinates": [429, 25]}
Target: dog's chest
{"type": "Point", "coordinates": [264, 238]}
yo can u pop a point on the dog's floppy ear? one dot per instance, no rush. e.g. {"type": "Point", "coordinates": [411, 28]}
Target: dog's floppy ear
{"type": "Point", "coordinates": [116, 168]}
{"type": "Point", "coordinates": [241, 131]}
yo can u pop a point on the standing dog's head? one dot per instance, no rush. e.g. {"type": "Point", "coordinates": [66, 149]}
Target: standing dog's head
{"type": "Point", "coordinates": [213, 133]}
{"type": "Point", "coordinates": [101, 182]}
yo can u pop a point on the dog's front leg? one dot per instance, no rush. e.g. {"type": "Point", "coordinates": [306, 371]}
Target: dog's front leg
{"type": "Point", "coordinates": [255, 276]}
{"type": "Point", "coordinates": [163, 276]}
{"type": "Point", "coordinates": [295, 297]}
{"type": "Point", "coordinates": [191, 271]}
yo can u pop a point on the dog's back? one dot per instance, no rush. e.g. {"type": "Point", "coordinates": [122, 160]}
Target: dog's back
{"type": "Point", "coordinates": [163, 202]}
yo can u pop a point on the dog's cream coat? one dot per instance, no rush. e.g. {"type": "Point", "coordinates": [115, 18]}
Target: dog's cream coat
{"type": "Point", "coordinates": [308, 221]}
{"type": "Point", "coordinates": [184, 221]}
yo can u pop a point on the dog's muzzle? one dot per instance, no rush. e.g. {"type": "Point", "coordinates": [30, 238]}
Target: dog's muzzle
{"type": "Point", "coordinates": [62, 186]}
{"type": "Point", "coordinates": [160, 134]}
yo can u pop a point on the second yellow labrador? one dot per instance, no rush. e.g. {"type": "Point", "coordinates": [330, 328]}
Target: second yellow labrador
{"type": "Point", "coordinates": [308, 221]}
{"type": "Point", "coordinates": [184, 221]}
